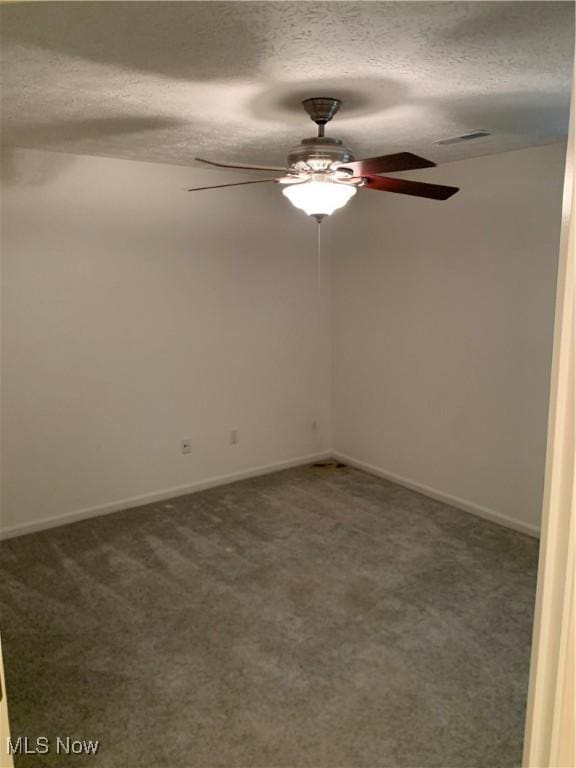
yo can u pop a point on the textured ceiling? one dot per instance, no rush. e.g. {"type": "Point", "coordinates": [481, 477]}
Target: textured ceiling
{"type": "Point", "coordinates": [165, 81]}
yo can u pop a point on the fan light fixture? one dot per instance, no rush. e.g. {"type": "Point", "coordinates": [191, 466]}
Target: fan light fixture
{"type": "Point", "coordinates": [320, 196]}
{"type": "Point", "coordinates": [321, 174]}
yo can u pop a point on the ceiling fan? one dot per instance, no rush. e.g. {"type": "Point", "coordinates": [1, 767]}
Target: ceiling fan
{"type": "Point", "coordinates": [322, 174]}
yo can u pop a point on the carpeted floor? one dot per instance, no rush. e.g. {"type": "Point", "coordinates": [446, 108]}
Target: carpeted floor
{"type": "Point", "coordinates": [317, 618]}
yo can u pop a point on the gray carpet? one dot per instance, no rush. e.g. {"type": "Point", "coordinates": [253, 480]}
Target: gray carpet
{"type": "Point", "coordinates": [314, 617]}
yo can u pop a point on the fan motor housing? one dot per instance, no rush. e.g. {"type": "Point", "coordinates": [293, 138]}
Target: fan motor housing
{"type": "Point", "coordinates": [319, 153]}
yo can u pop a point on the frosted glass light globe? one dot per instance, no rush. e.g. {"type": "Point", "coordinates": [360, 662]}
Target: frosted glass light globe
{"type": "Point", "coordinates": [319, 196]}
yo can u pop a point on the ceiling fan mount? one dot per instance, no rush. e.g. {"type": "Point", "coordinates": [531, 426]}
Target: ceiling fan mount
{"type": "Point", "coordinates": [321, 174]}
{"type": "Point", "coordinates": [321, 110]}
{"type": "Point", "coordinates": [320, 152]}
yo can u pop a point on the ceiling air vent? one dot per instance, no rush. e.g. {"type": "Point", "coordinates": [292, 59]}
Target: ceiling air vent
{"type": "Point", "coordinates": [464, 137]}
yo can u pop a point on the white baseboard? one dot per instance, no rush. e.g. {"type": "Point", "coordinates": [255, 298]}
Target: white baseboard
{"type": "Point", "coordinates": [213, 482]}
{"type": "Point", "coordinates": [148, 498]}
{"type": "Point", "coordinates": [453, 501]}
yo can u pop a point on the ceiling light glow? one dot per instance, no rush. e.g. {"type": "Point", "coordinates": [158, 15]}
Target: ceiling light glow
{"type": "Point", "coordinates": [320, 196]}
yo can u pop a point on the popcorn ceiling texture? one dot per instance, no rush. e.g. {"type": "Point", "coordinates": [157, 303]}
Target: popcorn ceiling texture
{"type": "Point", "coordinates": [164, 81]}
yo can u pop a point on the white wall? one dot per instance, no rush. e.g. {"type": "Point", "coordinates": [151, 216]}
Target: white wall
{"type": "Point", "coordinates": [136, 314]}
{"type": "Point", "coordinates": [443, 319]}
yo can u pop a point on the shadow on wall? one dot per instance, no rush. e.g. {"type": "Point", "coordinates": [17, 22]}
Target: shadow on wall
{"type": "Point", "coordinates": [530, 112]}
{"type": "Point", "coordinates": [499, 22]}
{"type": "Point", "coordinates": [214, 64]}
{"type": "Point", "coordinates": [151, 37]}
{"type": "Point", "coordinates": [361, 97]}
{"type": "Point", "coordinates": [18, 168]}
{"type": "Point", "coordinates": [58, 133]}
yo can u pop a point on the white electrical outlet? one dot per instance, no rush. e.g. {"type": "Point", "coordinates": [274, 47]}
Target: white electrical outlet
{"type": "Point", "coordinates": [186, 446]}
{"type": "Point", "coordinates": [234, 437]}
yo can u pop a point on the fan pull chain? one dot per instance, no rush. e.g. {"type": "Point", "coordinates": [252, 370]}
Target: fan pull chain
{"type": "Point", "coordinates": [320, 329]}
{"type": "Point", "coordinates": [319, 270]}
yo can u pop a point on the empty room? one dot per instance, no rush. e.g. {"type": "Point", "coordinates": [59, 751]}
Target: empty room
{"type": "Point", "coordinates": [287, 385]}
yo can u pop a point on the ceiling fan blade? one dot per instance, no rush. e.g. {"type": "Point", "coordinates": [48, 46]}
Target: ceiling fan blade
{"type": "Point", "coordinates": [401, 161]}
{"type": "Point", "coordinates": [242, 167]}
{"type": "Point", "coordinates": [235, 184]}
{"type": "Point", "coordinates": [405, 187]}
